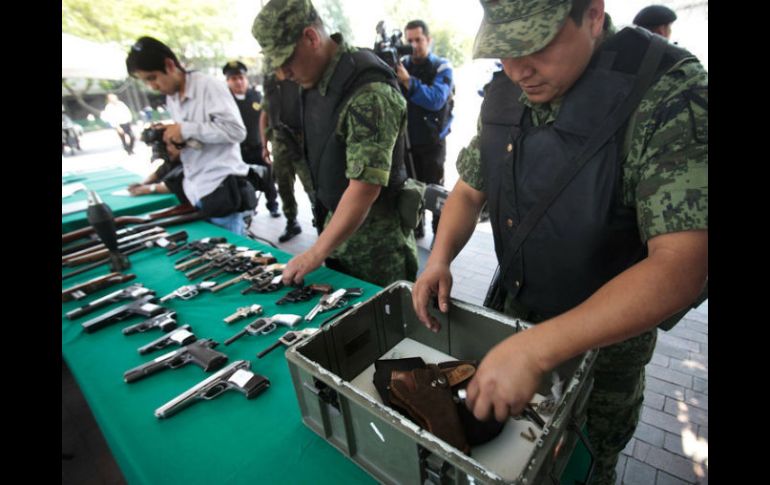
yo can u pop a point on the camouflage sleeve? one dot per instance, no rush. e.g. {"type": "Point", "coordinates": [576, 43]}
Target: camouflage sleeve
{"type": "Point", "coordinates": [666, 176]}
{"type": "Point", "coordinates": [370, 124]}
{"type": "Point", "coordinates": [469, 162]}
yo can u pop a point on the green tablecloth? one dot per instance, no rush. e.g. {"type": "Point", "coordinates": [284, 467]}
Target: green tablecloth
{"type": "Point", "coordinates": [105, 182]}
{"type": "Point", "coordinates": [226, 440]}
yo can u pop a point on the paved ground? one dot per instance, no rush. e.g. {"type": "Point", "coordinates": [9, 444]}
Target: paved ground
{"type": "Point", "coordinates": [670, 446]}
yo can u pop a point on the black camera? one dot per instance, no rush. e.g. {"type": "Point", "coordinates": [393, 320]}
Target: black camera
{"type": "Point", "coordinates": [153, 137]}
{"type": "Point", "coordinates": [390, 49]}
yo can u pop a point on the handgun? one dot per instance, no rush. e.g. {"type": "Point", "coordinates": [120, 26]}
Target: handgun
{"type": "Point", "coordinates": [288, 339]}
{"type": "Point", "coordinates": [142, 306]}
{"type": "Point", "coordinates": [180, 336]}
{"type": "Point", "coordinates": [266, 325]}
{"type": "Point", "coordinates": [235, 376]}
{"type": "Point", "coordinates": [200, 353]}
{"type": "Point", "coordinates": [165, 321]}
{"type": "Point", "coordinates": [130, 292]}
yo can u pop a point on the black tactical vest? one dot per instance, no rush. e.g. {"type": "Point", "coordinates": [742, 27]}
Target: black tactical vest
{"type": "Point", "coordinates": [250, 116]}
{"type": "Point", "coordinates": [424, 125]}
{"type": "Point", "coordinates": [325, 151]}
{"type": "Point", "coordinates": [588, 235]}
{"type": "Point", "coordinates": [283, 104]}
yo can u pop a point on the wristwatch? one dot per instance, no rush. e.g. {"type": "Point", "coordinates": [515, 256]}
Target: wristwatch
{"type": "Point", "coordinates": [153, 188]}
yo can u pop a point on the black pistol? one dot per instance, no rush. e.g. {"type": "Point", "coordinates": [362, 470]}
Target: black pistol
{"type": "Point", "coordinates": [200, 353]}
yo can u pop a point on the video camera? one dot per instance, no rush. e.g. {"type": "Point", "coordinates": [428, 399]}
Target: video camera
{"type": "Point", "coordinates": [390, 49]}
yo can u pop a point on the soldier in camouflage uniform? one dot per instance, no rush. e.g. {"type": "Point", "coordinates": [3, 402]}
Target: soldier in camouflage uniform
{"type": "Point", "coordinates": [353, 123]}
{"type": "Point", "coordinates": [287, 158]}
{"type": "Point", "coordinates": [622, 248]}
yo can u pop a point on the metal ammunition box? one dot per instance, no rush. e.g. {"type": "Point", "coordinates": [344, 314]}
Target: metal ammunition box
{"type": "Point", "coordinates": [332, 376]}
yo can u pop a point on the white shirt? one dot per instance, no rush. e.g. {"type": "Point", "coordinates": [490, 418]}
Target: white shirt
{"type": "Point", "coordinates": [117, 114]}
{"type": "Point", "coordinates": [208, 114]}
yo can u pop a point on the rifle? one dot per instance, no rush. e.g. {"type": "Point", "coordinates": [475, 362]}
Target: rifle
{"type": "Point", "coordinates": [161, 242]}
{"type": "Point", "coordinates": [167, 217]}
{"type": "Point", "coordinates": [91, 286]}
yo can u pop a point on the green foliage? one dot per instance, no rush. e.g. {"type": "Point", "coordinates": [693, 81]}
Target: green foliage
{"type": "Point", "coordinates": [450, 44]}
{"type": "Point", "coordinates": [447, 41]}
{"type": "Point", "coordinates": [196, 30]}
{"type": "Point", "coordinates": [334, 17]}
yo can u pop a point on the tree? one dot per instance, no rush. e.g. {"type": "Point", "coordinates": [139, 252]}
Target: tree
{"type": "Point", "coordinates": [447, 41]}
{"type": "Point", "coordinates": [333, 14]}
{"type": "Point", "coordinates": [196, 30]}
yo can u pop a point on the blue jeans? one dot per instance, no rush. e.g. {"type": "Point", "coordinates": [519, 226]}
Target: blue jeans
{"type": "Point", "coordinates": [233, 222]}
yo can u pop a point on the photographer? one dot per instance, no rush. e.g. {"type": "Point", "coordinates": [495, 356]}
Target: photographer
{"type": "Point", "coordinates": [205, 136]}
{"type": "Point", "coordinates": [426, 81]}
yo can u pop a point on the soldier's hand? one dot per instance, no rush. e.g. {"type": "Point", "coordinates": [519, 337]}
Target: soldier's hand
{"type": "Point", "coordinates": [435, 281]}
{"type": "Point", "coordinates": [300, 265]}
{"type": "Point", "coordinates": [266, 155]}
{"type": "Point", "coordinates": [507, 378]}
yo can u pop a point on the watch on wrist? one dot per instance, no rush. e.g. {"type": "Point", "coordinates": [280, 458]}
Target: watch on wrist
{"type": "Point", "coordinates": [153, 188]}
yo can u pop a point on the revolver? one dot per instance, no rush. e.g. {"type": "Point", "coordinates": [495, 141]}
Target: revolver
{"type": "Point", "coordinates": [288, 339]}
{"type": "Point", "coordinates": [266, 325]}
{"type": "Point", "coordinates": [189, 291]}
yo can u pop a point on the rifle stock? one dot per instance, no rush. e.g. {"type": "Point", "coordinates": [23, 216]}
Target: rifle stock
{"type": "Point", "coordinates": [171, 216]}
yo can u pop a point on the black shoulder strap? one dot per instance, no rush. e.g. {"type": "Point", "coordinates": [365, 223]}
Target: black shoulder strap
{"type": "Point", "coordinates": [612, 123]}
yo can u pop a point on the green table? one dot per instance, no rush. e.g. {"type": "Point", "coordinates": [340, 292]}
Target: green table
{"type": "Point", "coordinates": [105, 182]}
{"type": "Point", "coordinates": [226, 440]}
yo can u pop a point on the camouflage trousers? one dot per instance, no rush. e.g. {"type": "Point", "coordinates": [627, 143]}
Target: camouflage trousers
{"type": "Point", "coordinates": [616, 401]}
{"type": "Point", "coordinates": [287, 164]}
{"type": "Point", "coordinates": [381, 251]}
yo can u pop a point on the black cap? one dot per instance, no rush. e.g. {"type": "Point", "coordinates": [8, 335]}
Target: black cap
{"type": "Point", "coordinates": [654, 15]}
{"type": "Point", "coordinates": [234, 67]}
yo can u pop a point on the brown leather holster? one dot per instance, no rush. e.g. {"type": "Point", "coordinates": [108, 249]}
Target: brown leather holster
{"type": "Point", "coordinates": [426, 394]}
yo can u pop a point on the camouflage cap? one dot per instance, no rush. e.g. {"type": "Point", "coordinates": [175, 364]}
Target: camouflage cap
{"type": "Point", "coordinates": [516, 28]}
{"type": "Point", "coordinates": [278, 26]}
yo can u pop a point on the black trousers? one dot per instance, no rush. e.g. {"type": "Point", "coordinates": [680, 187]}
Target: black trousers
{"type": "Point", "coordinates": [429, 162]}
{"type": "Point", "coordinates": [429, 165]}
{"type": "Point", "coordinates": [253, 156]}
{"type": "Point", "coordinates": [127, 138]}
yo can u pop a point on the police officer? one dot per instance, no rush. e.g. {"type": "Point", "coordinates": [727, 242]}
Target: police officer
{"type": "Point", "coordinates": [353, 122]}
{"type": "Point", "coordinates": [620, 244]}
{"type": "Point", "coordinates": [280, 123]}
{"type": "Point", "coordinates": [657, 19]}
{"type": "Point", "coordinates": [426, 81]}
{"type": "Point", "coordinates": [249, 102]}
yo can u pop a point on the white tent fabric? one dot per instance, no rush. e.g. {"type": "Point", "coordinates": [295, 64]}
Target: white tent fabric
{"type": "Point", "coordinates": [81, 58]}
